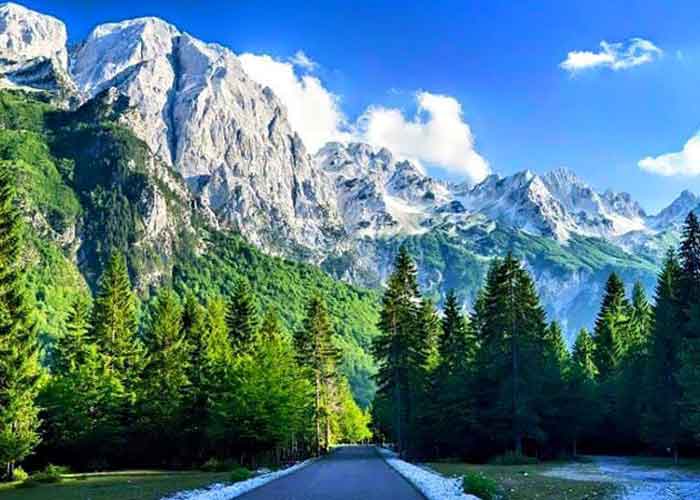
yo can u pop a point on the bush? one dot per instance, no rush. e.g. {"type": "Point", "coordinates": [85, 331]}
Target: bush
{"type": "Point", "coordinates": [18, 474]}
{"type": "Point", "coordinates": [481, 486]}
{"type": "Point", "coordinates": [240, 474]}
{"type": "Point", "coordinates": [511, 458]}
{"type": "Point", "coordinates": [51, 474]}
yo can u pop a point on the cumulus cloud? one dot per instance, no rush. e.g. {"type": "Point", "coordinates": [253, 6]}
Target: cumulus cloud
{"type": "Point", "coordinates": [313, 112]}
{"type": "Point", "coordinates": [685, 162]}
{"type": "Point", "coordinates": [437, 135]}
{"type": "Point", "coordinates": [616, 56]}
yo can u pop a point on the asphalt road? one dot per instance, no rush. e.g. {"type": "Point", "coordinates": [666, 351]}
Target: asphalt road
{"type": "Point", "coordinates": [352, 473]}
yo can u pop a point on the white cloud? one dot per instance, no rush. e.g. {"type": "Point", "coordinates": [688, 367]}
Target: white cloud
{"type": "Point", "coordinates": [313, 112]}
{"type": "Point", "coordinates": [303, 61]}
{"type": "Point", "coordinates": [616, 56]}
{"type": "Point", "coordinates": [685, 162]}
{"type": "Point", "coordinates": [437, 135]}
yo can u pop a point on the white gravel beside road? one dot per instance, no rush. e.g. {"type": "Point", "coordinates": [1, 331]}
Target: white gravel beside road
{"type": "Point", "coordinates": [431, 484]}
{"type": "Point", "coordinates": [227, 492]}
{"type": "Point", "coordinates": [636, 482]}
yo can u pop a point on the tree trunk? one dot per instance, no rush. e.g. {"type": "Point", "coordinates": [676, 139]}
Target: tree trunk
{"type": "Point", "coordinates": [675, 454]}
{"type": "Point", "coordinates": [318, 415]}
{"type": "Point", "coordinates": [575, 447]}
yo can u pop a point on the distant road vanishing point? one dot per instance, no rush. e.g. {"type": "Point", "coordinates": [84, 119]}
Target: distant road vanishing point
{"type": "Point", "coordinates": [351, 473]}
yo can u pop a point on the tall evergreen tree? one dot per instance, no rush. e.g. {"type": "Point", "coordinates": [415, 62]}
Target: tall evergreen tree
{"type": "Point", "coordinates": [71, 347]}
{"type": "Point", "coordinates": [582, 411]}
{"type": "Point", "coordinates": [165, 383]}
{"type": "Point", "coordinates": [242, 319]}
{"type": "Point", "coordinates": [662, 419]}
{"type": "Point", "coordinates": [609, 334]}
{"type": "Point", "coordinates": [510, 357]}
{"type": "Point", "coordinates": [398, 349]}
{"type": "Point", "coordinates": [451, 396]}
{"type": "Point", "coordinates": [553, 395]}
{"type": "Point", "coordinates": [19, 355]}
{"type": "Point", "coordinates": [630, 401]}
{"type": "Point", "coordinates": [115, 322]}
{"type": "Point", "coordinates": [689, 284]}
{"type": "Point", "coordinates": [318, 354]}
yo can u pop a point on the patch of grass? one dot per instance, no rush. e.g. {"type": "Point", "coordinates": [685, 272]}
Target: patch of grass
{"type": "Point", "coordinates": [240, 474]}
{"type": "Point", "coordinates": [526, 482]}
{"type": "Point", "coordinates": [483, 487]}
{"type": "Point", "coordinates": [126, 485]}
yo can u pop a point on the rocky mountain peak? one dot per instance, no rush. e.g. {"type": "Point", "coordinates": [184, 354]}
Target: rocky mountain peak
{"type": "Point", "coordinates": [676, 212]}
{"type": "Point", "coordinates": [26, 34]}
{"type": "Point", "coordinates": [32, 50]}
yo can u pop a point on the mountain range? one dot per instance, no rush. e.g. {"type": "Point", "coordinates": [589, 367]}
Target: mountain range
{"type": "Point", "coordinates": [220, 145]}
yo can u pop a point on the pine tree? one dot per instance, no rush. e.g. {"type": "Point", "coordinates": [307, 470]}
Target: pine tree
{"type": "Point", "coordinates": [71, 347]}
{"type": "Point", "coordinates": [19, 355]}
{"type": "Point", "coordinates": [197, 334]}
{"type": "Point", "coordinates": [582, 410]}
{"type": "Point", "coordinates": [271, 326]}
{"type": "Point", "coordinates": [554, 393]}
{"type": "Point", "coordinates": [165, 382]}
{"type": "Point", "coordinates": [630, 401]}
{"type": "Point", "coordinates": [318, 354]}
{"type": "Point", "coordinates": [511, 356]}
{"type": "Point", "coordinates": [689, 284]}
{"type": "Point", "coordinates": [242, 319]}
{"type": "Point", "coordinates": [610, 327]}
{"type": "Point", "coordinates": [451, 391]}
{"type": "Point", "coordinates": [662, 419]}
{"type": "Point", "coordinates": [641, 317]}
{"type": "Point", "coordinates": [115, 322]}
{"type": "Point", "coordinates": [397, 349]}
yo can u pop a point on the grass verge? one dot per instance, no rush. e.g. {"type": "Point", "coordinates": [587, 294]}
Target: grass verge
{"type": "Point", "coordinates": [525, 482]}
{"type": "Point", "coordinates": [126, 485]}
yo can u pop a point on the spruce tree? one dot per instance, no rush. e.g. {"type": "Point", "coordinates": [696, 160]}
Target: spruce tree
{"type": "Point", "coordinates": [115, 322]}
{"type": "Point", "coordinates": [165, 382]}
{"type": "Point", "coordinates": [689, 284]}
{"type": "Point", "coordinates": [610, 327]}
{"type": "Point", "coordinates": [662, 419]}
{"type": "Point", "coordinates": [510, 357]}
{"type": "Point", "coordinates": [71, 347]}
{"type": "Point", "coordinates": [582, 411]}
{"type": "Point", "coordinates": [242, 319]}
{"type": "Point", "coordinates": [19, 354]}
{"type": "Point", "coordinates": [398, 349]}
{"type": "Point", "coordinates": [451, 396]}
{"type": "Point", "coordinates": [197, 335]}
{"type": "Point", "coordinates": [630, 401]}
{"type": "Point", "coordinates": [318, 354]}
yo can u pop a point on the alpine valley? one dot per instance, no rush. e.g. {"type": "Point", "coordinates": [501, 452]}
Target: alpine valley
{"type": "Point", "coordinates": [145, 139]}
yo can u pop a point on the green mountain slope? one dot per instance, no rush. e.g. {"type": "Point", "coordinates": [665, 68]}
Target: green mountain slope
{"type": "Point", "coordinates": [92, 187]}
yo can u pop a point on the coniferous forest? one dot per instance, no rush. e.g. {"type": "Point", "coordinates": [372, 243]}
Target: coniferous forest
{"type": "Point", "coordinates": [243, 358]}
{"type": "Point", "coordinates": [499, 380]}
{"type": "Point", "coordinates": [173, 382]}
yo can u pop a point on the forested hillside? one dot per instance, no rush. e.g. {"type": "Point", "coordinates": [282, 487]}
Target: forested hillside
{"type": "Point", "coordinates": [91, 188]}
{"type": "Point", "coordinates": [501, 383]}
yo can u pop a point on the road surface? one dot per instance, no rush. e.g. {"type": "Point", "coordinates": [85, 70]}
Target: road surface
{"type": "Point", "coordinates": [351, 473]}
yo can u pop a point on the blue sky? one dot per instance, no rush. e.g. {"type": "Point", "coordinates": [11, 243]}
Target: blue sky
{"type": "Point", "coordinates": [501, 61]}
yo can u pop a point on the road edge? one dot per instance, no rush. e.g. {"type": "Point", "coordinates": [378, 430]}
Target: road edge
{"type": "Point", "coordinates": [220, 491]}
{"type": "Point", "coordinates": [430, 484]}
